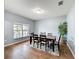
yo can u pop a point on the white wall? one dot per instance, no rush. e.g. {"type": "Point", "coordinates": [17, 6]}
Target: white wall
{"type": "Point", "coordinates": [9, 20]}
{"type": "Point", "coordinates": [71, 29]}
{"type": "Point", "coordinates": [49, 25]}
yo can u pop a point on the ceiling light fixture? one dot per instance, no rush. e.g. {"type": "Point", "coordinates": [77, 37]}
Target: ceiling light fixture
{"type": "Point", "coordinates": [60, 2]}
{"type": "Point", "coordinates": [38, 10]}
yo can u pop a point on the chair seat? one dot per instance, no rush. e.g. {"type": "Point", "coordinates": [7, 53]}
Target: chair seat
{"type": "Point", "coordinates": [36, 41]}
{"type": "Point", "coordinates": [43, 42]}
{"type": "Point", "coordinates": [56, 42]}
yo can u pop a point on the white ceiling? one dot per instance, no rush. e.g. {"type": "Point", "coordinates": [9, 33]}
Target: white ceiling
{"type": "Point", "coordinates": [50, 8]}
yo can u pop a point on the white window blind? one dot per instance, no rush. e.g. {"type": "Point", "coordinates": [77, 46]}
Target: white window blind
{"type": "Point", "coordinates": [21, 30]}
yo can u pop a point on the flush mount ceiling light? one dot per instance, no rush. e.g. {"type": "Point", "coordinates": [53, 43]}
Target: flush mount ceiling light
{"type": "Point", "coordinates": [38, 10]}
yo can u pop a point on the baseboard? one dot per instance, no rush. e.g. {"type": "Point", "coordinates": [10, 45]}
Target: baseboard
{"type": "Point", "coordinates": [14, 43]}
{"type": "Point", "coordinates": [71, 50]}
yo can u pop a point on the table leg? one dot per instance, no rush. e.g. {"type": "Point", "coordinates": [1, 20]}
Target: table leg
{"type": "Point", "coordinates": [53, 45]}
{"type": "Point", "coordinates": [30, 39]}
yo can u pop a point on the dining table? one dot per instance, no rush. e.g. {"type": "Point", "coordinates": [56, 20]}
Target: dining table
{"type": "Point", "coordinates": [49, 39]}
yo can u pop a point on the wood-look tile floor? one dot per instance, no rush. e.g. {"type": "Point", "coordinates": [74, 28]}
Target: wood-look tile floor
{"type": "Point", "coordinates": [23, 51]}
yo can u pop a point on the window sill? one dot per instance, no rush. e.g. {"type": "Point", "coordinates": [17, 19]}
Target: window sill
{"type": "Point", "coordinates": [21, 38]}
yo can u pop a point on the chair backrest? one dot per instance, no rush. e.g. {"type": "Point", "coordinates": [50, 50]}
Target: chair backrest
{"type": "Point", "coordinates": [32, 33]}
{"type": "Point", "coordinates": [35, 36]}
{"type": "Point", "coordinates": [59, 39]}
{"type": "Point", "coordinates": [43, 38]}
{"type": "Point", "coordinates": [49, 34]}
{"type": "Point", "coordinates": [42, 33]}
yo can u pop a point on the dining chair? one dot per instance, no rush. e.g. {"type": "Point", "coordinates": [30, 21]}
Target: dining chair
{"type": "Point", "coordinates": [35, 40]}
{"type": "Point", "coordinates": [43, 41]}
{"type": "Point", "coordinates": [49, 35]}
{"type": "Point", "coordinates": [57, 43]}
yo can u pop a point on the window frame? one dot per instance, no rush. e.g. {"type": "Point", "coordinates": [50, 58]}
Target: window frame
{"type": "Point", "coordinates": [21, 30]}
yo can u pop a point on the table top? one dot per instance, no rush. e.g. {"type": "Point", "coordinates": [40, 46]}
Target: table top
{"type": "Point", "coordinates": [49, 37]}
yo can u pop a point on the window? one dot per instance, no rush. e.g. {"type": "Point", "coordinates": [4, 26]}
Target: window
{"type": "Point", "coordinates": [21, 30]}
{"type": "Point", "coordinates": [25, 30]}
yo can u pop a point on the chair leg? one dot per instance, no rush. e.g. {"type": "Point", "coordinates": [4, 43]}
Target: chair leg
{"type": "Point", "coordinates": [48, 45]}
{"type": "Point", "coordinates": [40, 45]}
{"type": "Point", "coordinates": [33, 44]}
{"type": "Point", "coordinates": [45, 47]}
{"type": "Point", "coordinates": [37, 45]}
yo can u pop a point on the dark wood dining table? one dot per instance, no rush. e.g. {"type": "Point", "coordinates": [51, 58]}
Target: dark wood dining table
{"type": "Point", "coordinates": [49, 38]}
